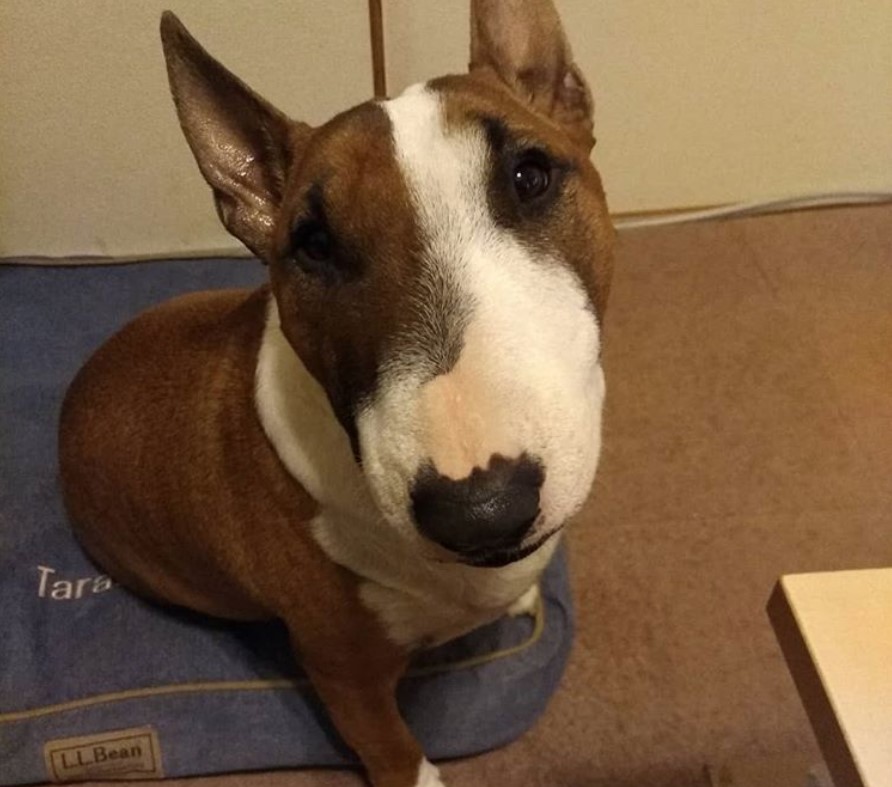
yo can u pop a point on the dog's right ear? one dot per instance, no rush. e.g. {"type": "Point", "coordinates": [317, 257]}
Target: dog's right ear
{"type": "Point", "coordinates": [522, 42]}
{"type": "Point", "coordinates": [243, 145]}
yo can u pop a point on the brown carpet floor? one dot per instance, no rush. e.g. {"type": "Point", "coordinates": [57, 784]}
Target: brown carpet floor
{"type": "Point", "coordinates": [748, 435]}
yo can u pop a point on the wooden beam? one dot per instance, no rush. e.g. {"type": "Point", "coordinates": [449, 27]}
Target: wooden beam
{"type": "Point", "coordinates": [376, 30]}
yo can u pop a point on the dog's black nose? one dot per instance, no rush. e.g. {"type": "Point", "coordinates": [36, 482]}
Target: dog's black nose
{"type": "Point", "coordinates": [490, 510]}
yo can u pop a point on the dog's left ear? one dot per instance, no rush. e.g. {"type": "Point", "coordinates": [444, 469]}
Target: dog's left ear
{"type": "Point", "coordinates": [522, 42]}
{"type": "Point", "coordinates": [244, 146]}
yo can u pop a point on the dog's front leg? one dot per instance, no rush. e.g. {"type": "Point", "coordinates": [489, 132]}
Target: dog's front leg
{"type": "Point", "coordinates": [363, 708]}
{"type": "Point", "coordinates": [355, 670]}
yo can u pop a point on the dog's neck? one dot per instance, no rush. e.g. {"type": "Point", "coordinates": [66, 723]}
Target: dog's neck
{"type": "Point", "coordinates": [298, 419]}
{"type": "Point", "coordinates": [418, 600]}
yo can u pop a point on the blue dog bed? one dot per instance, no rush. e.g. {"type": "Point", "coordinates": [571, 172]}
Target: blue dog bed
{"type": "Point", "coordinates": [96, 683]}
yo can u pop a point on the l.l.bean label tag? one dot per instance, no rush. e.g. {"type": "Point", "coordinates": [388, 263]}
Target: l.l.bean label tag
{"type": "Point", "coordinates": [118, 754]}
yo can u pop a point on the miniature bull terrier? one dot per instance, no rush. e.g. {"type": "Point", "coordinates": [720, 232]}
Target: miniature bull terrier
{"type": "Point", "coordinates": [382, 444]}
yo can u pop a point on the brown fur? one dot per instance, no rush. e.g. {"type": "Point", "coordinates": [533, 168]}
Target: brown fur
{"type": "Point", "coordinates": [167, 474]}
{"type": "Point", "coordinates": [581, 230]}
{"type": "Point", "coordinates": [196, 509]}
{"type": "Point", "coordinates": [340, 332]}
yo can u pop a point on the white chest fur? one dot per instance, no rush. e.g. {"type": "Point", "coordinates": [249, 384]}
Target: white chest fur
{"type": "Point", "coordinates": [419, 600]}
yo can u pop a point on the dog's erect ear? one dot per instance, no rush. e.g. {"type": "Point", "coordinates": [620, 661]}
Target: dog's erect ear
{"type": "Point", "coordinates": [243, 145]}
{"type": "Point", "coordinates": [522, 42]}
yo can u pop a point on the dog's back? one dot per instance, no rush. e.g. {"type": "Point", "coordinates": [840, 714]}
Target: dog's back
{"type": "Point", "coordinates": [142, 497]}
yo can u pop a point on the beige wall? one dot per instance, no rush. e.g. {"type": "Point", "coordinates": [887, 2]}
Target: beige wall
{"type": "Point", "coordinates": [703, 102]}
{"type": "Point", "coordinates": [92, 160]}
{"type": "Point", "coordinates": [699, 102]}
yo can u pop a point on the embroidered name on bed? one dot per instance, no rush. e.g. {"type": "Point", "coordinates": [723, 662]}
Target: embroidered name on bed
{"type": "Point", "coordinates": [48, 586]}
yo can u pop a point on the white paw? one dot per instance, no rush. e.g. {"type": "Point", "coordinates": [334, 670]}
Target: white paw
{"type": "Point", "coordinates": [527, 604]}
{"type": "Point", "coordinates": [428, 775]}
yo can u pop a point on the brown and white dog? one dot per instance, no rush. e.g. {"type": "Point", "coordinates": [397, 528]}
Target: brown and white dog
{"type": "Point", "coordinates": [382, 445]}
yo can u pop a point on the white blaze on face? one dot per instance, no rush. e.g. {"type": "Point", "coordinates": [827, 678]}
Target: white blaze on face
{"type": "Point", "coordinates": [527, 379]}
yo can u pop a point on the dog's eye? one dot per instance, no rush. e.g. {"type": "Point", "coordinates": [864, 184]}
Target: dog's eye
{"type": "Point", "coordinates": [313, 247]}
{"type": "Point", "coordinates": [531, 176]}
{"type": "Point", "coordinates": [312, 241]}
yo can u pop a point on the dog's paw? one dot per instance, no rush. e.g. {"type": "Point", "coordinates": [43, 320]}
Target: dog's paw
{"type": "Point", "coordinates": [428, 775]}
{"type": "Point", "coordinates": [527, 604]}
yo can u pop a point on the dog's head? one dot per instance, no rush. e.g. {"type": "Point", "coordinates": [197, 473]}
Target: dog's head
{"type": "Point", "coordinates": [440, 262]}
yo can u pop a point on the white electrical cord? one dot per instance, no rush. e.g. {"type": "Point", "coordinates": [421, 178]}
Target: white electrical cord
{"type": "Point", "coordinates": [757, 208]}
